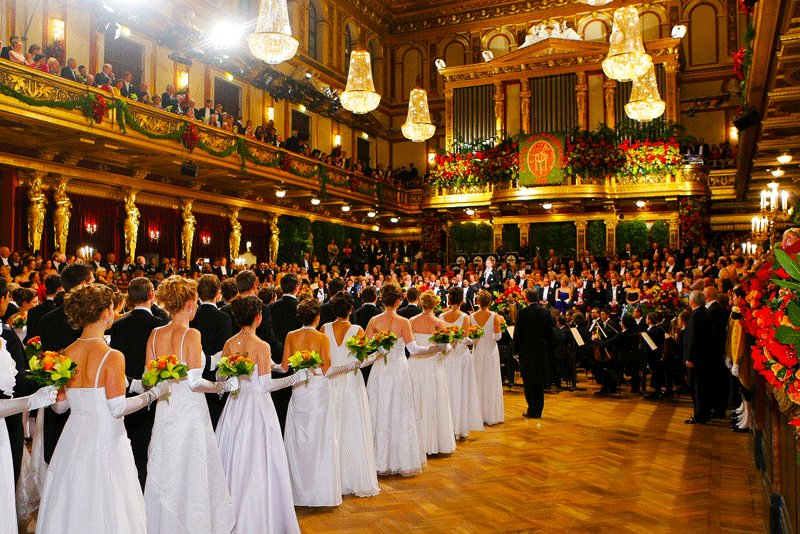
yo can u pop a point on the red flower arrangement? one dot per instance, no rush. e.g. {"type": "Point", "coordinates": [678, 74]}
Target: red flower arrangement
{"type": "Point", "coordinates": [651, 157]}
{"type": "Point", "coordinates": [509, 297]}
{"type": "Point", "coordinates": [692, 222]}
{"type": "Point", "coordinates": [663, 299]}
{"type": "Point", "coordinates": [430, 240]}
{"type": "Point", "coordinates": [496, 164]}
{"type": "Point", "coordinates": [98, 108]}
{"type": "Point", "coordinates": [739, 63]}
{"type": "Point", "coordinates": [189, 136]}
{"type": "Point", "coordinates": [593, 154]}
{"type": "Point", "coordinates": [747, 6]}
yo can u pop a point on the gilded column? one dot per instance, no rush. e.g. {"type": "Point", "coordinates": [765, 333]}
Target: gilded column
{"type": "Point", "coordinates": [187, 232]}
{"type": "Point", "coordinates": [235, 239]}
{"type": "Point", "coordinates": [61, 215]}
{"type": "Point", "coordinates": [582, 97]}
{"type": "Point", "coordinates": [499, 110]}
{"type": "Point", "coordinates": [580, 228]}
{"type": "Point", "coordinates": [131, 223]}
{"type": "Point", "coordinates": [674, 232]}
{"type": "Point", "coordinates": [497, 230]}
{"type": "Point", "coordinates": [610, 96]}
{"type": "Point", "coordinates": [36, 210]}
{"type": "Point", "coordinates": [448, 113]}
{"type": "Point", "coordinates": [611, 236]}
{"type": "Point", "coordinates": [524, 238]}
{"type": "Point", "coordinates": [672, 98]}
{"type": "Point", "coordinates": [274, 238]}
{"type": "Point", "coordinates": [525, 106]}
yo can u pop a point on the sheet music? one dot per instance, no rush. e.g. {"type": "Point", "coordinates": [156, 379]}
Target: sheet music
{"type": "Point", "coordinates": [649, 341]}
{"type": "Point", "coordinates": [577, 336]}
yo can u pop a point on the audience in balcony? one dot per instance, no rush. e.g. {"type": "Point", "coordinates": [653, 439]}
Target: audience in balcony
{"type": "Point", "coordinates": [54, 66]}
{"type": "Point", "coordinates": [16, 54]}
{"type": "Point", "coordinates": [33, 51]}
{"type": "Point", "coordinates": [169, 100]}
{"type": "Point", "coordinates": [70, 71]}
{"type": "Point", "coordinates": [105, 76]}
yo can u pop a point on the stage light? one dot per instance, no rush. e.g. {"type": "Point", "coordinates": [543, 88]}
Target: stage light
{"type": "Point", "coordinates": [225, 35]}
{"type": "Point", "coordinates": [640, 204]}
{"type": "Point", "coordinates": [470, 212]}
{"type": "Point", "coordinates": [395, 219]}
{"type": "Point", "coordinates": [547, 205]}
{"type": "Point", "coordinates": [371, 214]}
{"type": "Point", "coordinates": [346, 208]}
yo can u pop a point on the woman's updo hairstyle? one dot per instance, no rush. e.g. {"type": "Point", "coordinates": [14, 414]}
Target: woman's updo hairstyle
{"type": "Point", "coordinates": [85, 304]}
{"type": "Point", "coordinates": [246, 309]}
{"type": "Point", "coordinates": [174, 292]}
{"type": "Point", "coordinates": [342, 304]}
{"type": "Point", "coordinates": [484, 298]}
{"type": "Point", "coordinates": [429, 300]}
{"type": "Point", "coordinates": [455, 295]}
{"type": "Point", "coordinates": [390, 294]}
{"type": "Point", "coordinates": [307, 311]}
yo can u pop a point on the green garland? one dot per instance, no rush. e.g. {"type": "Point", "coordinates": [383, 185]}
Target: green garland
{"type": "Point", "coordinates": [83, 102]}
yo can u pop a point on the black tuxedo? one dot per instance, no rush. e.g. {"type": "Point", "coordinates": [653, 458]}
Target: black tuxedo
{"type": "Point", "coordinates": [200, 114]}
{"type": "Point", "coordinates": [127, 89]}
{"type": "Point", "coordinates": [168, 100]}
{"type": "Point", "coordinates": [490, 278]}
{"type": "Point", "coordinates": [408, 311]}
{"type": "Point", "coordinates": [228, 271]}
{"type": "Point", "coordinates": [129, 335]}
{"type": "Point", "coordinates": [533, 341]}
{"type": "Point", "coordinates": [619, 296]}
{"type": "Point", "coordinates": [653, 356]}
{"type": "Point", "coordinates": [23, 387]}
{"type": "Point", "coordinates": [285, 320]}
{"type": "Point", "coordinates": [215, 327]}
{"type": "Point", "coordinates": [69, 74]}
{"type": "Point", "coordinates": [110, 267]}
{"type": "Point", "coordinates": [326, 314]}
{"type": "Point", "coordinates": [101, 78]}
{"type": "Point", "coordinates": [719, 373]}
{"type": "Point", "coordinates": [56, 334]}
{"type": "Point", "coordinates": [35, 315]}
{"type": "Point", "coordinates": [10, 310]}
{"type": "Point", "coordinates": [548, 296]}
{"type": "Point", "coordinates": [362, 317]}
{"type": "Point", "coordinates": [698, 347]}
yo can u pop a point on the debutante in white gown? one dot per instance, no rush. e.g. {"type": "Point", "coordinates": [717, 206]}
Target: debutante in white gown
{"type": "Point", "coordinates": [432, 400]}
{"type": "Point", "coordinates": [311, 445]}
{"type": "Point", "coordinates": [398, 449]}
{"type": "Point", "coordinates": [353, 422]}
{"type": "Point", "coordinates": [254, 460]}
{"type": "Point", "coordinates": [185, 491]}
{"type": "Point", "coordinates": [8, 509]}
{"type": "Point", "coordinates": [92, 484]}
{"type": "Point", "coordinates": [463, 386]}
{"type": "Point", "coordinates": [487, 370]}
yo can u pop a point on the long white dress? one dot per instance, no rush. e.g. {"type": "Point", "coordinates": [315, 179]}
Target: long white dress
{"type": "Point", "coordinates": [311, 445]}
{"type": "Point", "coordinates": [8, 510]}
{"type": "Point", "coordinates": [254, 459]}
{"type": "Point", "coordinates": [185, 491]}
{"type": "Point", "coordinates": [432, 400]}
{"type": "Point", "coordinates": [463, 386]}
{"type": "Point", "coordinates": [487, 370]}
{"type": "Point", "coordinates": [92, 484]}
{"type": "Point", "coordinates": [398, 449]}
{"type": "Point", "coordinates": [353, 422]}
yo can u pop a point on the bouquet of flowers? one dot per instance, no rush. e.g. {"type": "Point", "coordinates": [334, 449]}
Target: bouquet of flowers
{"type": "Point", "coordinates": [51, 368]}
{"type": "Point", "coordinates": [475, 332]}
{"type": "Point", "coordinates": [164, 368]}
{"type": "Point", "coordinates": [508, 298]}
{"type": "Point", "coordinates": [360, 346]}
{"type": "Point", "coordinates": [305, 359]}
{"type": "Point", "coordinates": [33, 347]}
{"type": "Point", "coordinates": [447, 335]}
{"type": "Point", "coordinates": [236, 365]}
{"type": "Point", "coordinates": [383, 339]}
{"type": "Point", "coordinates": [457, 333]}
{"type": "Point", "coordinates": [663, 299]}
{"type": "Point", "coordinates": [19, 322]}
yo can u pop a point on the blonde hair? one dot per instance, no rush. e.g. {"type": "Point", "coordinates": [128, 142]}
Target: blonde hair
{"type": "Point", "coordinates": [429, 300]}
{"type": "Point", "coordinates": [174, 292]}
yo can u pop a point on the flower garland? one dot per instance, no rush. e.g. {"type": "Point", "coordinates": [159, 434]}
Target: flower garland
{"type": "Point", "coordinates": [692, 223]}
{"type": "Point", "coordinates": [430, 239]}
{"type": "Point", "coordinates": [651, 157]}
{"type": "Point", "coordinates": [476, 166]}
{"type": "Point", "coordinates": [747, 6]}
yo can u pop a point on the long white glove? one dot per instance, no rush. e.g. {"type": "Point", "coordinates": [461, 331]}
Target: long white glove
{"type": "Point", "coordinates": [498, 337]}
{"type": "Point", "coordinates": [269, 384]}
{"type": "Point", "coordinates": [61, 406]}
{"type": "Point", "coordinates": [198, 384]}
{"type": "Point", "coordinates": [277, 368]}
{"type": "Point", "coordinates": [136, 386]}
{"type": "Point", "coordinates": [416, 350]}
{"type": "Point", "coordinates": [122, 406]}
{"type": "Point", "coordinates": [467, 341]}
{"type": "Point", "coordinates": [44, 397]}
{"type": "Point", "coordinates": [369, 360]}
{"type": "Point", "coordinates": [341, 369]}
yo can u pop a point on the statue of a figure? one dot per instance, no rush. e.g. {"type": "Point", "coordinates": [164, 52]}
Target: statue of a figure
{"type": "Point", "coordinates": [274, 239]}
{"type": "Point", "coordinates": [235, 240]}
{"type": "Point", "coordinates": [187, 232]}
{"type": "Point", "coordinates": [36, 211]}
{"type": "Point", "coordinates": [131, 223]}
{"type": "Point", "coordinates": [62, 215]}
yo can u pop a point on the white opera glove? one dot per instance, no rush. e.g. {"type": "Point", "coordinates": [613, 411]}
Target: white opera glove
{"type": "Point", "coordinates": [728, 363]}
{"type": "Point", "coordinates": [269, 384]}
{"type": "Point", "coordinates": [198, 384]}
{"type": "Point", "coordinates": [467, 341]}
{"type": "Point", "coordinates": [369, 360]}
{"type": "Point", "coordinates": [122, 406]}
{"type": "Point", "coordinates": [277, 368]}
{"type": "Point", "coordinates": [383, 351]}
{"type": "Point", "coordinates": [61, 406]}
{"type": "Point", "coordinates": [136, 386]}
{"type": "Point", "coordinates": [735, 370]}
{"type": "Point", "coordinates": [44, 397]}
{"type": "Point", "coordinates": [416, 350]}
{"type": "Point", "coordinates": [498, 337]}
{"type": "Point", "coordinates": [341, 369]}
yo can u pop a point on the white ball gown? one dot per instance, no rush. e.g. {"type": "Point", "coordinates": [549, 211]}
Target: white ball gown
{"type": "Point", "coordinates": [8, 509]}
{"type": "Point", "coordinates": [463, 386]}
{"type": "Point", "coordinates": [311, 446]}
{"type": "Point", "coordinates": [432, 400]}
{"type": "Point", "coordinates": [398, 448]}
{"type": "Point", "coordinates": [353, 422]}
{"type": "Point", "coordinates": [185, 490]}
{"type": "Point", "coordinates": [254, 460]}
{"type": "Point", "coordinates": [92, 485]}
{"type": "Point", "coordinates": [486, 356]}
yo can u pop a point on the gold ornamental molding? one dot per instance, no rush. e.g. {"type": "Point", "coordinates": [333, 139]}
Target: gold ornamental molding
{"type": "Point", "coordinates": [606, 217]}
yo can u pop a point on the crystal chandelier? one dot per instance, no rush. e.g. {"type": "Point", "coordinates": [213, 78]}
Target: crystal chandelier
{"type": "Point", "coordinates": [645, 103]}
{"type": "Point", "coordinates": [359, 96]}
{"type": "Point", "coordinates": [595, 2]}
{"type": "Point", "coordinates": [272, 40]}
{"type": "Point", "coordinates": [418, 126]}
{"type": "Point", "coordinates": [627, 59]}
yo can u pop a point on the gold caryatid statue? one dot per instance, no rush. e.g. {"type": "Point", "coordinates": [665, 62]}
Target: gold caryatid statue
{"type": "Point", "coordinates": [235, 240]}
{"type": "Point", "coordinates": [131, 223]}
{"type": "Point", "coordinates": [36, 210]}
{"type": "Point", "coordinates": [187, 232]}
{"type": "Point", "coordinates": [274, 239]}
{"type": "Point", "coordinates": [62, 214]}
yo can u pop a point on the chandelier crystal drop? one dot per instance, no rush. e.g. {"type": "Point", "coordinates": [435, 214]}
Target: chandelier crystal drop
{"type": "Point", "coordinates": [418, 126]}
{"type": "Point", "coordinates": [645, 103]}
{"type": "Point", "coordinates": [627, 59]}
{"type": "Point", "coordinates": [359, 96]}
{"type": "Point", "coordinates": [272, 41]}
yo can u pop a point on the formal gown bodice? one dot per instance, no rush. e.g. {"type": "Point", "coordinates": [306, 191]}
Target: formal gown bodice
{"type": "Point", "coordinates": [340, 354]}
{"type": "Point", "coordinates": [459, 321]}
{"type": "Point", "coordinates": [397, 355]}
{"type": "Point", "coordinates": [562, 295]}
{"type": "Point", "coordinates": [250, 384]}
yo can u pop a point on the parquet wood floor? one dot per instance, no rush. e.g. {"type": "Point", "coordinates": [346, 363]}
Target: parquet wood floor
{"type": "Point", "coordinates": [589, 465]}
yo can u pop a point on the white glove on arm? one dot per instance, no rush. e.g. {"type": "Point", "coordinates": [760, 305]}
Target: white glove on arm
{"type": "Point", "coordinates": [277, 368]}
{"type": "Point", "coordinates": [198, 384]}
{"type": "Point", "coordinates": [498, 337]}
{"type": "Point", "coordinates": [416, 350]}
{"type": "Point", "coordinates": [136, 386]}
{"type": "Point", "coordinates": [122, 406]}
{"type": "Point", "coordinates": [269, 384]}
{"type": "Point", "coordinates": [44, 397]}
{"type": "Point", "coordinates": [341, 369]}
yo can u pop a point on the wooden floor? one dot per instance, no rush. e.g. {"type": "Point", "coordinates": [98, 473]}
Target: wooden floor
{"type": "Point", "coordinates": [589, 465]}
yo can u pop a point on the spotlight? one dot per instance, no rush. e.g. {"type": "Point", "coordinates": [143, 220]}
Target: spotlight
{"type": "Point", "coordinates": [440, 64]}
{"type": "Point", "coordinates": [640, 204]}
{"type": "Point", "coordinates": [488, 55]}
{"type": "Point", "coordinates": [785, 158]}
{"type": "Point", "coordinates": [470, 212]}
{"type": "Point", "coordinates": [315, 201]}
{"type": "Point", "coordinates": [371, 214]}
{"type": "Point", "coordinates": [346, 208]}
{"type": "Point", "coordinates": [280, 193]}
{"type": "Point", "coordinates": [395, 219]}
{"type": "Point", "coordinates": [547, 205]}
{"type": "Point", "coordinates": [679, 31]}
{"type": "Point", "coordinates": [225, 35]}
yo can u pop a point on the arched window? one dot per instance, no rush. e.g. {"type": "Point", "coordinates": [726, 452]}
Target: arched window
{"type": "Point", "coordinates": [313, 24]}
{"type": "Point", "coordinates": [596, 31]}
{"type": "Point", "coordinates": [650, 25]}
{"type": "Point", "coordinates": [704, 37]}
{"type": "Point", "coordinates": [348, 47]}
{"type": "Point", "coordinates": [499, 45]}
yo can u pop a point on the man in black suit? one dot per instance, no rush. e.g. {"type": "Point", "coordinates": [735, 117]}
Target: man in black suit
{"type": "Point", "coordinates": [223, 269]}
{"type": "Point", "coordinates": [326, 313]}
{"type": "Point", "coordinates": [216, 327]}
{"type": "Point", "coordinates": [23, 387]}
{"type": "Point", "coordinates": [70, 71]}
{"type": "Point", "coordinates": [363, 315]}
{"type": "Point", "coordinates": [110, 263]}
{"type": "Point", "coordinates": [655, 357]}
{"type": "Point", "coordinates": [168, 99]}
{"type": "Point", "coordinates": [129, 335]}
{"type": "Point", "coordinates": [57, 334]}
{"type": "Point", "coordinates": [284, 313]}
{"type": "Point", "coordinates": [533, 342]}
{"type": "Point", "coordinates": [718, 371]}
{"type": "Point", "coordinates": [547, 293]}
{"type": "Point", "coordinates": [697, 347]}
{"type": "Point", "coordinates": [204, 114]}
{"type": "Point", "coordinates": [411, 309]}
{"type": "Point", "coordinates": [52, 285]}
{"type": "Point", "coordinates": [489, 280]}
{"type": "Point", "coordinates": [292, 143]}
{"type": "Point", "coordinates": [127, 88]}
{"type": "Point", "coordinates": [105, 76]}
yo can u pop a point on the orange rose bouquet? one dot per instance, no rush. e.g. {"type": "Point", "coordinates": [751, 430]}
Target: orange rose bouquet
{"type": "Point", "coordinates": [236, 365]}
{"type": "Point", "coordinates": [305, 359]}
{"type": "Point", "coordinates": [383, 340]}
{"type": "Point", "coordinates": [164, 368]}
{"type": "Point", "coordinates": [33, 347]}
{"type": "Point", "coordinates": [475, 332]}
{"type": "Point", "coordinates": [360, 346]}
{"type": "Point", "coordinates": [51, 368]}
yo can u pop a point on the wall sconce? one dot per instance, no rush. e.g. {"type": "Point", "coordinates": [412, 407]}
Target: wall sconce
{"type": "Point", "coordinates": [431, 158]}
{"type": "Point", "coordinates": [91, 228]}
{"type": "Point", "coordinates": [270, 113]}
{"type": "Point", "coordinates": [154, 235]}
{"type": "Point", "coordinates": [229, 76]}
{"type": "Point", "coordinates": [183, 79]}
{"type": "Point", "coordinates": [58, 29]}
{"type": "Point", "coordinates": [206, 240]}
{"type": "Point", "coordinates": [337, 140]}
{"type": "Point", "coordinates": [365, 135]}
{"type": "Point", "coordinates": [302, 108]}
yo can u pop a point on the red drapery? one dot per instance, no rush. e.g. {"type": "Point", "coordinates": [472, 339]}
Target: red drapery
{"type": "Point", "coordinates": [168, 223]}
{"type": "Point", "coordinates": [215, 227]}
{"type": "Point", "coordinates": [257, 233]}
{"type": "Point", "coordinates": [105, 218]}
